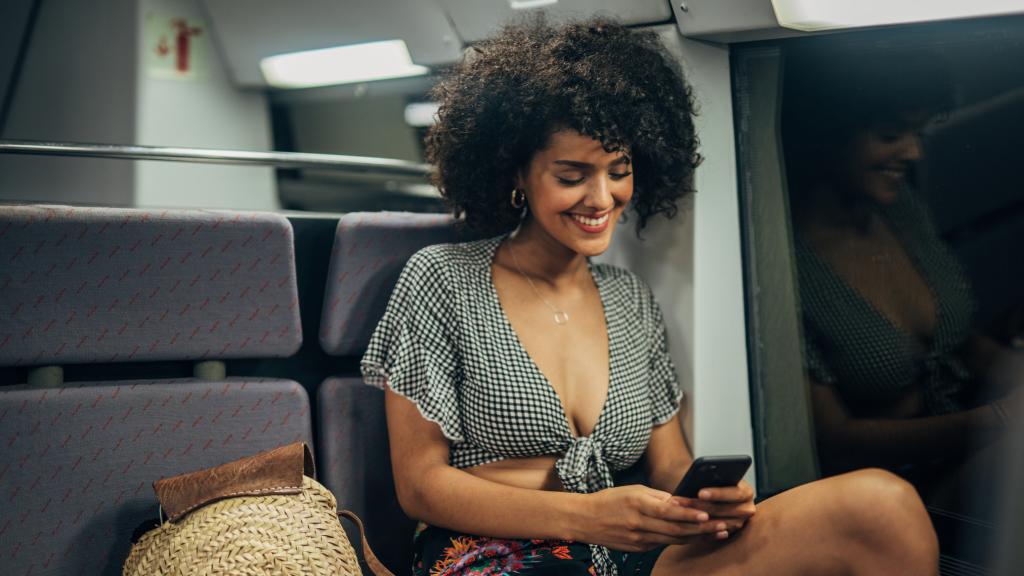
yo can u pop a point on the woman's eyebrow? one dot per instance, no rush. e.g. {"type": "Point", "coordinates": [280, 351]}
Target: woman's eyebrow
{"type": "Point", "coordinates": [573, 163]}
{"type": "Point", "coordinates": [577, 164]}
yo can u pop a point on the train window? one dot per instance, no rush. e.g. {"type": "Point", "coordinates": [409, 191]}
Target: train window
{"type": "Point", "coordinates": [883, 215]}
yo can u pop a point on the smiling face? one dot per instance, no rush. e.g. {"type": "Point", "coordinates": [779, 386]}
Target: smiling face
{"type": "Point", "coordinates": [576, 192]}
{"type": "Point", "coordinates": [879, 158]}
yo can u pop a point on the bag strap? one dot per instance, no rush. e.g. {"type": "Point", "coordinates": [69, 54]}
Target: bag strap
{"type": "Point", "coordinates": [372, 562]}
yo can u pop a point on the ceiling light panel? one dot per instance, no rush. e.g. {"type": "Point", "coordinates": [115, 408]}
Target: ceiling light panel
{"type": "Point", "coordinates": [341, 65]}
{"type": "Point", "coordinates": [811, 15]}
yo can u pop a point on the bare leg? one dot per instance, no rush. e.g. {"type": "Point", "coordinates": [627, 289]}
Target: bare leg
{"type": "Point", "coordinates": [864, 522]}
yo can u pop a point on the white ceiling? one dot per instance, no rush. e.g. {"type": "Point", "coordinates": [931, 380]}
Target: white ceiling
{"type": "Point", "coordinates": [250, 30]}
{"type": "Point", "coordinates": [476, 19]}
{"type": "Point", "coordinates": [436, 31]}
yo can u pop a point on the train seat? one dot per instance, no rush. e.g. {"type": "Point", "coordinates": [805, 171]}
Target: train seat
{"type": "Point", "coordinates": [83, 286]}
{"type": "Point", "coordinates": [115, 285]}
{"type": "Point", "coordinates": [369, 252]}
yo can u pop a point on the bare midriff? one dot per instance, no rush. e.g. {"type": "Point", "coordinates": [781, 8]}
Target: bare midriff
{"type": "Point", "coordinates": [530, 473]}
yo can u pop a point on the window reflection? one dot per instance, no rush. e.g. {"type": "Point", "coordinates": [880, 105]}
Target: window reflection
{"type": "Point", "coordinates": [904, 244]}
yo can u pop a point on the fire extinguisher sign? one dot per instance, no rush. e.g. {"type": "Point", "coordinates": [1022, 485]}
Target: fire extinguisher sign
{"type": "Point", "coordinates": [176, 47]}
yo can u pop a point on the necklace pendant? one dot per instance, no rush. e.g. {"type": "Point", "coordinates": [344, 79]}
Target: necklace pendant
{"type": "Point", "coordinates": [561, 318]}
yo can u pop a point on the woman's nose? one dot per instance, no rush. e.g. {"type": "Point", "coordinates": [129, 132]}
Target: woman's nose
{"type": "Point", "coordinates": [599, 197]}
{"type": "Point", "coordinates": [912, 150]}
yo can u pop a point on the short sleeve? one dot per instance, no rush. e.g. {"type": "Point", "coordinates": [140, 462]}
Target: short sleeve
{"type": "Point", "coordinates": [666, 393]}
{"type": "Point", "coordinates": [814, 360]}
{"type": "Point", "coordinates": [414, 349]}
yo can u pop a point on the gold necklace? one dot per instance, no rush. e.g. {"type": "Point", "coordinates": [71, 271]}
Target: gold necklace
{"type": "Point", "coordinates": [561, 317]}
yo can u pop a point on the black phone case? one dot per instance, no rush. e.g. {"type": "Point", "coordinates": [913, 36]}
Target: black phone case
{"type": "Point", "coordinates": [712, 471]}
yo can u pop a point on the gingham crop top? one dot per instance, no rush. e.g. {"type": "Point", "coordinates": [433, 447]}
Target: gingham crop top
{"type": "Point", "coordinates": [445, 343]}
{"type": "Point", "coordinates": [849, 344]}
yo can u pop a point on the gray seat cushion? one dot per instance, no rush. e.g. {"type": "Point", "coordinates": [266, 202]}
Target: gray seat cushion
{"type": "Point", "coordinates": [78, 462]}
{"type": "Point", "coordinates": [354, 462]}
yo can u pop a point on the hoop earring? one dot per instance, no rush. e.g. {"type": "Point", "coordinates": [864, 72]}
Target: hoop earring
{"type": "Point", "coordinates": [518, 198]}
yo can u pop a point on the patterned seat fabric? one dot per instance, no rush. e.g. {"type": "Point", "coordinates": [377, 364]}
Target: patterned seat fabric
{"type": "Point", "coordinates": [78, 461]}
{"type": "Point", "coordinates": [355, 465]}
{"type": "Point", "coordinates": [98, 285]}
{"type": "Point", "coordinates": [369, 252]}
{"type": "Point", "coordinates": [113, 285]}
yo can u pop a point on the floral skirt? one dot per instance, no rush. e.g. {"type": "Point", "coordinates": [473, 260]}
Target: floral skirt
{"type": "Point", "coordinates": [441, 552]}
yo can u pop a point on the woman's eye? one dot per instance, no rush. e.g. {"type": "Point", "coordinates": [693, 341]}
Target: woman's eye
{"type": "Point", "coordinates": [570, 181]}
{"type": "Point", "coordinates": [619, 175]}
{"type": "Point", "coordinates": [889, 134]}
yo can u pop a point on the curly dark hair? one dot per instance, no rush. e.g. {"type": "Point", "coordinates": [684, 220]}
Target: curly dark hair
{"type": "Point", "coordinates": [502, 102]}
{"type": "Point", "coordinates": [832, 91]}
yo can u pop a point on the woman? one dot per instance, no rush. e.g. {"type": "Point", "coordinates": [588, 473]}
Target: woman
{"type": "Point", "coordinates": [899, 377]}
{"type": "Point", "coordinates": [520, 376]}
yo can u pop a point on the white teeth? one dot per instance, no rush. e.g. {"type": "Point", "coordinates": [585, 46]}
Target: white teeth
{"type": "Point", "coordinates": [591, 221]}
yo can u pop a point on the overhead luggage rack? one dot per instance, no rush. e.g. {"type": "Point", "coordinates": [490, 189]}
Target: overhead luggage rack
{"type": "Point", "coordinates": [303, 160]}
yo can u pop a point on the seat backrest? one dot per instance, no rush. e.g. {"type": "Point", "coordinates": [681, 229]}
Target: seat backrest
{"type": "Point", "coordinates": [97, 285]}
{"type": "Point", "coordinates": [352, 443]}
{"type": "Point", "coordinates": [111, 285]}
{"type": "Point", "coordinates": [369, 253]}
{"type": "Point", "coordinates": [78, 461]}
{"type": "Point", "coordinates": [370, 250]}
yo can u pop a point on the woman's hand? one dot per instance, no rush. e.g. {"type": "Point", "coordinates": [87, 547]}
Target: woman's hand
{"type": "Point", "coordinates": [733, 505]}
{"type": "Point", "coordinates": [637, 518]}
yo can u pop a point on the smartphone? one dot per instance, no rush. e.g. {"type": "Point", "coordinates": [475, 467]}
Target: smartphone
{"type": "Point", "coordinates": [712, 471]}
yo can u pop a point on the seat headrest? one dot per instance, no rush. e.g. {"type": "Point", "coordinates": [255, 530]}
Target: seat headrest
{"type": "Point", "coordinates": [370, 250]}
{"type": "Point", "coordinates": [113, 285]}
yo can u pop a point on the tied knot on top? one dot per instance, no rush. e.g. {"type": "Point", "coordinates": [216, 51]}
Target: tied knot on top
{"type": "Point", "coordinates": [943, 372]}
{"type": "Point", "coordinates": [582, 469]}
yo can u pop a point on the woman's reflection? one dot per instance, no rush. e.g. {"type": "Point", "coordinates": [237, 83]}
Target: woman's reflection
{"type": "Point", "coordinates": [899, 376]}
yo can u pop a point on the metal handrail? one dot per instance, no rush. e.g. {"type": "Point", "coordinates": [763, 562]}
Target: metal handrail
{"type": "Point", "coordinates": [383, 166]}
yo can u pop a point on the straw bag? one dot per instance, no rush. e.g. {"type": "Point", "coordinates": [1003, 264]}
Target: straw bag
{"type": "Point", "coordinates": [256, 516]}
